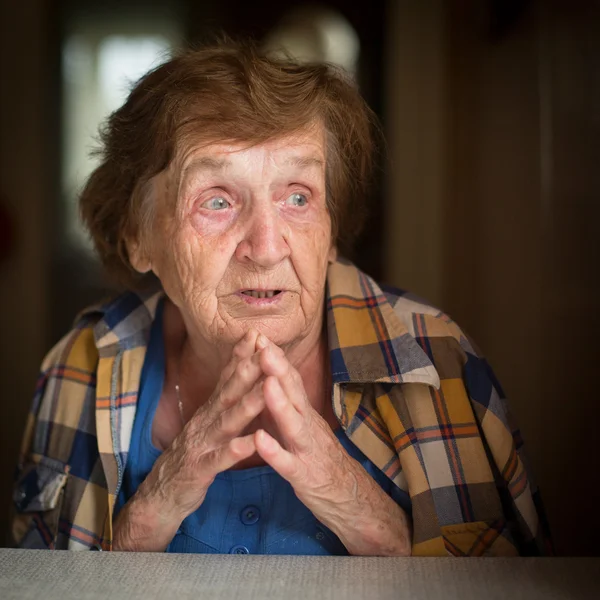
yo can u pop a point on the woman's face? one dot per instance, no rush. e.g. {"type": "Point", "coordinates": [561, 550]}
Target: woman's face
{"type": "Point", "coordinates": [247, 242]}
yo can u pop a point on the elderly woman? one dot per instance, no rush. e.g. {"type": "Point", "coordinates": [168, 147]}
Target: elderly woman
{"type": "Point", "coordinates": [252, 392]}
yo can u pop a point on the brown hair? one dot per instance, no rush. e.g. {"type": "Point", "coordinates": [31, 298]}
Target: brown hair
{"type": "Point", "coordinates": [230, 91]}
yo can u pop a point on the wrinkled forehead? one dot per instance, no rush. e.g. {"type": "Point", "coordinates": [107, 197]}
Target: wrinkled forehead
{"type": "Point", "coordinates": [304, 149]}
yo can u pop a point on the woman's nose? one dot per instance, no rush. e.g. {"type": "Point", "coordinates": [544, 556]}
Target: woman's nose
{"type": "Point", "coordinates": [265, 238]}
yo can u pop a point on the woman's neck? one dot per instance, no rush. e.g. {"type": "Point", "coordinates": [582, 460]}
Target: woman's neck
{"type": "Point", "coordinates": [196, 366]}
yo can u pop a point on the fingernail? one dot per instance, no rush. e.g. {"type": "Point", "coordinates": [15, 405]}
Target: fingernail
{"type": "Point", "coordinates": [266, 440]}
{"type": "Point", "coordinates": [262, 341]}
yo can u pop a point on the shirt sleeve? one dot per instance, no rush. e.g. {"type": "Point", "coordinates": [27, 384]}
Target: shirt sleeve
{"type": "Point", "coordinates": [472, 491]}
{"type": "Point", "coordinates": [43, 470]}
{"type": "Point", "coordinates": [520, 497]}
{"type": "Point", "coordinates": [39, 484]}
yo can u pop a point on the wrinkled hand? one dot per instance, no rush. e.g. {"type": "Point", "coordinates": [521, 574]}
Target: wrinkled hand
{"type": "Point", "coordinates": [211, 442]}
{"type": "Point", "coordinates": [331, 484]}
{"type": "Point", "coordinates": [309, 457]}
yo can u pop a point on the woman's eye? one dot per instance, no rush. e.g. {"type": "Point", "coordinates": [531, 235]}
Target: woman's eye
{"type": "Point", "coordinates": [217, 203]}
{"type": "Point", "coordinates": [297, 200]}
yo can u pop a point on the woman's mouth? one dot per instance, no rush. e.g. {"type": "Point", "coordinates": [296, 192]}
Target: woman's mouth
{"type": "Point", "coordinates": [261, 296]}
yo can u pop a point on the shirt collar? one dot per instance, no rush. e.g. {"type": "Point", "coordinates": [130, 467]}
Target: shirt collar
{"type": "Point", "coordinates": [368, 341]}
{"type": "Point", "coordinates": [125, 321]}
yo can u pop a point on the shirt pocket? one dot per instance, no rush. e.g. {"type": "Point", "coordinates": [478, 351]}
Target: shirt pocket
{"type": "Point", "coordinates": [479, 538]}
{"type": "Point", "coordinates": [184, 543]}
{"type": "Point", "coordinates": [306, 537]}
{"type": "Point", "coordinates": [37, 502]}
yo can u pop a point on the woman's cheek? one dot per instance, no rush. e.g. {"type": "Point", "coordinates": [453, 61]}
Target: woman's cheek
{"type": "Point", "coordinates": [313, 225]}
{"type": "Point", "coordinates": [214, 234]}
{"type": "Point", "coordinates": [197, 264]}
{"type": "Point", "coordinates": [212, 222]}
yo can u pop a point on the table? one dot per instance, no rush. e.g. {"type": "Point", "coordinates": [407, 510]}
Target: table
{"type": "Point", "coordinates": [63, 575]}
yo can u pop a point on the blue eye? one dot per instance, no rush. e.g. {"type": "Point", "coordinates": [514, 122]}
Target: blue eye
{"type": "Point", "coordinates": [217, 203]}
{"type": "Point", "coordinates": [297, 200]}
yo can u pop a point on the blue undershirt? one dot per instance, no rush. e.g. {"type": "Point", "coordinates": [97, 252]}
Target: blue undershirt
{"type": "Point", "coordinates": [247, 511]}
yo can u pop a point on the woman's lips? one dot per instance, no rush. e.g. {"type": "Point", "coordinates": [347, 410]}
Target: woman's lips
{"type": "Point", "coordinates": [261, 297]}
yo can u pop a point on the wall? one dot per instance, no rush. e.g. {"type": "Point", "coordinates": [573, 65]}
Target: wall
{"type": "Point", "coordinates": [570, 184]}
{"type": "Point", "coordinates": [415, 121]}
{"type": "Point", "coordinates": [25, 184]}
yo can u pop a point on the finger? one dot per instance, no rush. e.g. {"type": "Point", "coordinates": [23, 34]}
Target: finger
{"type": "Point", "coordinates": [245, 376]}
{"type": "Point", "coordinates": [230, 423]}
{"type": "Point", "coordinates": [282, 461]}
{"type": "Point", "coordinates": [242, 380]}
{"type": "Point", "coordinates": [289, 421]}
{"type": "Point", "coordinates": [247, 345]}
{"type": "Point", "coordinates": [262, 341]}
{"type": "Point", "coordinates": [245, 348]}
{"type": "Point", "coordinates": [274, 362]}
{"type": "Point", "coordinates": [229, 454]}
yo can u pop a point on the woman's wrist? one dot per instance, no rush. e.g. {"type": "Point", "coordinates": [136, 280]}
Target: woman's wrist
{"type": "Point", "coordinates": [143, 525]}
{"type": "Point", "coordinates": [383, 534]}
{"type": "Point", "coordinates": [382, 531]}
{"type": "Point", "coordinates": [368, 521]}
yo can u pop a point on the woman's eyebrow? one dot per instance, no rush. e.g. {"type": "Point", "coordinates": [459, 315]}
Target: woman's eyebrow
{"type": "Point", "coordinates": [305, 162]}
{"type": "Point", "coordinates": [205, 163]}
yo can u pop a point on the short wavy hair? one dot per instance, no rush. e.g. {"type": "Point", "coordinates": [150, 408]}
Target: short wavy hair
{"type": "Point", "coordinates": [224, 92]}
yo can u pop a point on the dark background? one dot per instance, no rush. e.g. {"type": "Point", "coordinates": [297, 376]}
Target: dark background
{"type": "Point", "coordinates": [487, 202]}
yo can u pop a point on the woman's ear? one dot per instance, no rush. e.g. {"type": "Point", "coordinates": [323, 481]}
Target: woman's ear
{"type": "Point", "coordinates": [138, 257]}
{"type": "Point", "coordinates": [332, 253]}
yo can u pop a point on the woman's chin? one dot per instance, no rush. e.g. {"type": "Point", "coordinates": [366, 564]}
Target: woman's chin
{"type": "Point", "coordinates": [282, 327]}
{"type": "Point", "coordinates": [280, 331]}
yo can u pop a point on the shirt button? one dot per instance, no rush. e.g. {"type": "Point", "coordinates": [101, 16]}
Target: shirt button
{"type": "Point", "coordinates": [250, 515]}
{"type": "Point", "coordinates": [239, 550]}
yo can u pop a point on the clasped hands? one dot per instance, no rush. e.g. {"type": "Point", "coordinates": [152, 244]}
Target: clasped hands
{"type": "Point", "coordinates": [259, 382]}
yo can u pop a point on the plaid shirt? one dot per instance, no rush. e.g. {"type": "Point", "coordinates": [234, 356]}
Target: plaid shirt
{"type": "Point", "coordinates": [409, 390]}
